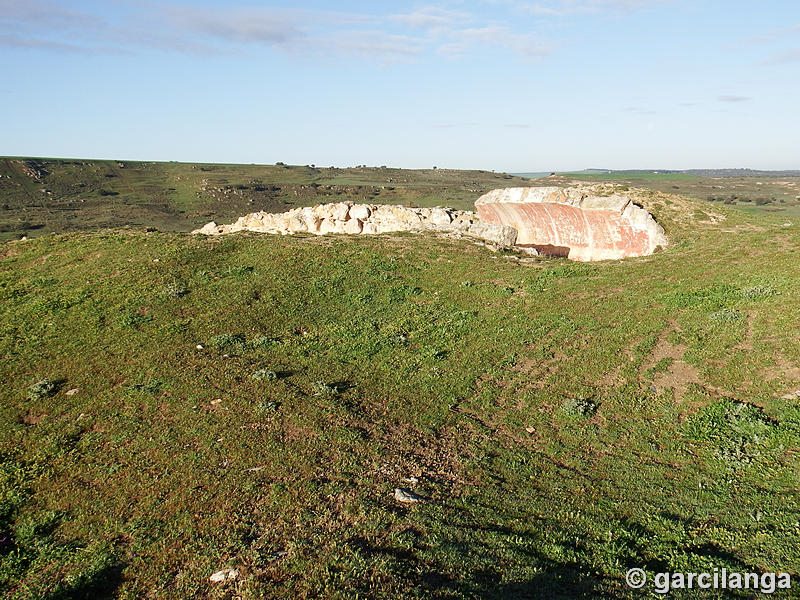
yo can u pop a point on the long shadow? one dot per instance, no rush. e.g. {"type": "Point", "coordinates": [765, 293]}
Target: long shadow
{"type": "Point", "coordinates": [574, 577]}
{"type": "Point", "coordinates": [102, 585]}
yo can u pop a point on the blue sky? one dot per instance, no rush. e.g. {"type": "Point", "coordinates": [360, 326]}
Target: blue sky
{"type": "Point", "coordinates": [493, 84]}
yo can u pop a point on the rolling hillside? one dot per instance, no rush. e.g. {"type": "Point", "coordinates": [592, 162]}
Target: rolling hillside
{"type": "Point", "coordinates": [176, 405]}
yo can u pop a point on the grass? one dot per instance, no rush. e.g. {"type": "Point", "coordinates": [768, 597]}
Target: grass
{"type": "Point", "coordinates": [516, 397]}
{"type": "Point", "coordinates": [41, 195]}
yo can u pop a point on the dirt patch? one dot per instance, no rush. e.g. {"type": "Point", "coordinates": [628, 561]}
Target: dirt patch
{"type": "Point", "coordinates": [612, 379]}
{"type": "Point", "coordinates": [678, 377]}
{"type": "Point", "coordinates": [782, 369]}
{"type": "Point", "coordinates": [538, 370]}
{"type": "Point", "coordinates": [32, 418]}
{"type": "Point", "coordinates": [679, 374]}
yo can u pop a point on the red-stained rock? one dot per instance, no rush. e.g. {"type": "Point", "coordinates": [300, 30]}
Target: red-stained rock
{"type": "Point", "coordinates": [574, 222]}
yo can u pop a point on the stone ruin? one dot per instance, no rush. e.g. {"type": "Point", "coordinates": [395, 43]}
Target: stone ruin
{"type": "Point", "coordinates": [369, 219]}
{"type": "Point", "coordinates": [580, 223]}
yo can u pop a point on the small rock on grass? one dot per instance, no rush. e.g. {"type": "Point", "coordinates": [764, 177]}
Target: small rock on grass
{"type": "Point", "coordinates": [71, 392]}
{"type": "Point", "coordinates": [227, 574]}
{"type": "Point", "coordinates": [407, 496]}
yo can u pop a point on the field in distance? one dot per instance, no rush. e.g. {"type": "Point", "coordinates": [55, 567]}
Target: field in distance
{"type": "Point", "coordinates": [754, 191]}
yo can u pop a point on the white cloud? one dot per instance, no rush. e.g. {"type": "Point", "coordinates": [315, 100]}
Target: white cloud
{"type": "Point", "coordinates": [194, 29]}
{"type": "Point", "coordinates": [432, 17]}
{"type": "Point", "coordinates": [562, 8]}
{"type": "Point", "coordinates": [499, 36]}
{"type": "Point", "coordinates": [783, 57]}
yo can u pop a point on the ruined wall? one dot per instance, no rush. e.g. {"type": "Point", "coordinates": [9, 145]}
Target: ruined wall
{"type": "Point", "coordinates": [368, 219]}
{"type": "Point", "coordinates": [574, 222]}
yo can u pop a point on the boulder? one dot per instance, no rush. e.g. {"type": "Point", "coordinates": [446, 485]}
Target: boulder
{"type": "Point", "coordinates": [360, 211]}
{"type": "Point", "coordinates": [353, 226]}
{"type": "Point", "coordinates": [440, 216]}
{"type": "Point", "coordinates": [581, 223]}
{"type": "Point", "coordinates": [340, 211]}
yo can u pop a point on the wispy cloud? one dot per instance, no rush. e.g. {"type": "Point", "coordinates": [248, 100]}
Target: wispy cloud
{"type": "Point", "coordinates": [16, 41]}
{"type": "Point", "coordinates": [369, 44]}
{"type": "Point", "coordinates": [774, 34]}
{"type": "Point", "coordinates": [432, 18]}
{"type": "Point", "coordinates": [562, 8]}
{"type": "Point", "coordinates": [463, 41]}
{"type": "Point", "coordinates": [638, 110]}
{"type": "Point", "coordinates": [240, 26]}
{"type": "Point", "coordinates": [390, 37]}
{"type": "Point", "coordinates": [783, 57]}
{"type": "Point", "coordinates": [734, 98]}
{"type": "Point", "coordinates": [452, 125]}
{"type": "Point", "coordinates": [517, 126]}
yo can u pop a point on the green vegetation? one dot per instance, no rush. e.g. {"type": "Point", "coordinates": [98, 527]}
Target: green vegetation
{"type": "Point", "coordinates": [40, 196]}
{"type": "Point", "coordinates": [756, 192]}
{"type": "Point", "coordinates": [174, 405]}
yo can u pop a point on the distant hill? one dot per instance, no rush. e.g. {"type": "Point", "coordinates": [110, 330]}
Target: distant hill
{"type": "Point", "coordinates": [699, 172]}
{"type": "Point", "coordinates": [46, 195]}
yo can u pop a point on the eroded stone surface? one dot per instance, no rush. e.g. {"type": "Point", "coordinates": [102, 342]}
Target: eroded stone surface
{"type": "Point", "coordinates": [577, 222]}
{"type": "Point", "coordinates": [368, 219]}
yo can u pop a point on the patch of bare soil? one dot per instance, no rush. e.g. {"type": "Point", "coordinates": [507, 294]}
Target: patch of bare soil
{"type": "Point", "coordinates": [679, 374]}
{"type": "Point", "coordinates": [782, 369]}
{"type": "Point", "coordinates": [539, 369]}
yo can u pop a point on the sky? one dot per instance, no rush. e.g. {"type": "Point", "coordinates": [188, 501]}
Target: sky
{"type": "Point", "coordinates": [488, 84]}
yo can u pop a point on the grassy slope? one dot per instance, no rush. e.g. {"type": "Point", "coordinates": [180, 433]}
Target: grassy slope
{"type": "Point", "coordinates": [565, 421]}
{"type": "Point", "coordinates": [40, 196]}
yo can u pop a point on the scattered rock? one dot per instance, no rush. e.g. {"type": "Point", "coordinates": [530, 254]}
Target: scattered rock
{"type": "Point", "coordinates": [367, 219]}
{"type": "Point", "coordinates": [71, 392]}
{"type": "Point", "coordinates": [217, 401]}
{"type": "Point", "coordinates": [791, 395]}
{"type": "Point", "coordinates": [227, 574]}
{"type": "Point", "coordinates": [407, 496]}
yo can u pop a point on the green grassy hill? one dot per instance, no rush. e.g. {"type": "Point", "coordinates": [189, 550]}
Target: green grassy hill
{"type": "Point", "coordinates": [174, 405]}
{"type": "Point", "coordinates": [39, 196]}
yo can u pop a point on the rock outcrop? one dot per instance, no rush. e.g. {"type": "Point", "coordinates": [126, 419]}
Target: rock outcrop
{"type": "Point", "coordinates": [368, 219]}
{"type": "Point", "coordinates": [582, 223]}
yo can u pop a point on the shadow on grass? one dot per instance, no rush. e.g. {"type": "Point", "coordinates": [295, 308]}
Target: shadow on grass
{"type": "Point", "coordinates": [100, 585]}
{"type": "Point", "coordinates": [482, 562]}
